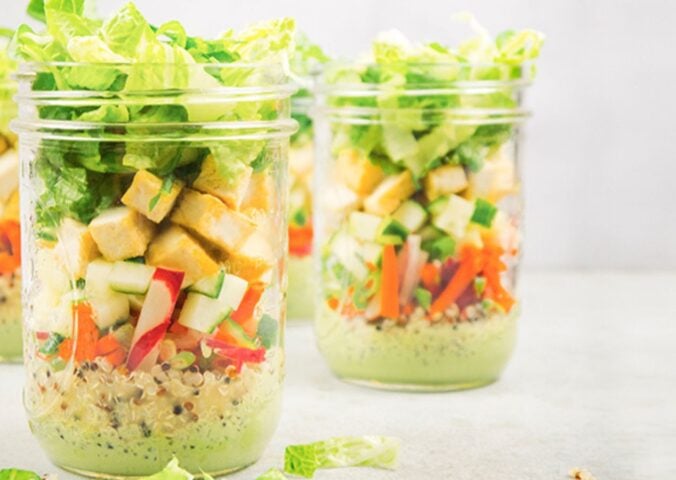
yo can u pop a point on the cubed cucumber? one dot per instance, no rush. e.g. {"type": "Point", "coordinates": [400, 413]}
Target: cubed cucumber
{"type": "Point", "coordinates": [437, 206]}
{"type": "Point", "coordinates": [209, 286]}
{"type": "Point", "coordinates": [130, 277]}
{"type": "Point", "coordinates": [392, 232]}
{"type": "Point", "coordinates": [440, 248]}
{"type": "Point", "coordinates": [455, 216]}
{"type": "Point", "coordinates": [484, 213]}
{"type": "Point", "coordinates": [202, 313]}
{"type": "Point", "coordinates": [411, 215]}
{"type": "Point", "coordinates": [233, 291]}
{"type": "Point", "coordinates": [365, 226]}
{"type": "Point", "coordinates": [345, 248]}
{"type": "Point", "coordinates": [371, 252]}
{"type": "Point", "coordinates": [237, 334]}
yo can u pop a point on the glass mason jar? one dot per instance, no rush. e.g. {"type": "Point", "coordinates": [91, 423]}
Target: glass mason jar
{"type": "Point", "coordinates": [419, 228]}
{"type": "Point", "coordinates": [155, 263]}
{"type": "Point", "coordinates": [10, 238]}
{"type": "Point", "coordinates": [301, 291]}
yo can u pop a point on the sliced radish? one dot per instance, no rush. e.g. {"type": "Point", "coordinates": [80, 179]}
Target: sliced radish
{"type": "Point", "coordinates": [155, 318]}
{"type": "Point", "coordinates": [415, 258]}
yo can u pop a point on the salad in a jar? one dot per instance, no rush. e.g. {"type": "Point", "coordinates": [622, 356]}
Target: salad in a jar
{"type": "Point", "coordinates": [307, 61]}
{"type": "Point", "coordinates": [419, 223]}
{"type": "Point", "coordinates": [10, 235]}
{"type": "Point", "coordinates": [155, 166]}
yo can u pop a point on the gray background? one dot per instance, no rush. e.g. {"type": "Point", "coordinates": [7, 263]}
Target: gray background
{"type": "Point", "coordinates": [600, 153]}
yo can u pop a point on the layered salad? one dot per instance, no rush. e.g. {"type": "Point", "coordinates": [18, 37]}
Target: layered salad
{"type": "Point", "coordinates": [307, 61]}
{"type": "Point", "coordinates": [419, 224]}
{"type": "Point", "coordinates": [156, 166]}
{"type": "Point", "coordinates": [10, 235]}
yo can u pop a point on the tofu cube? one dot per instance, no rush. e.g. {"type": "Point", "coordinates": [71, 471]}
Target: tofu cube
{"type": "Point", "coordinates": [387, 196]}
{"type": "Point", "coordinates": [495, 180]}
{"type": "Point", "coordinates": [231, 189]}
{"type": "Point", "coordinates": [261, 193]}
{"type": "Point", "coordinates": [253, 259]}
{"type": "Point", "coordinates": [121, 233]}
{"type": "Point", "coordinates": [145, 195]}
{"type": "Point", "coordinates": [11, 211]}
{"type": "Point", "coordinates": [445, 180]}
{"type": "Point", "coordinates": [212, 220]}
{"type": "Point", "coordinates": [175, 249]}
{"type": "Point", "coordinates": [9, 174]}
{"type": "Point", "coordinates": [357, 171]}
{"type": "Point", "coordinates": [75, 248]}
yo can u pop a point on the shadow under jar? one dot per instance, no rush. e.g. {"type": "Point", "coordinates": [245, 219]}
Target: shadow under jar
{"type": "Point", "coordinates": [418, 226]}
{"type": "Point", "coordinates": [154, 226]}
{"type": "Point", "coordinates": [10, 232]}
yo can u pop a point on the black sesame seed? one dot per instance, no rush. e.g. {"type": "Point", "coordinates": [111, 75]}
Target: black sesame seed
{"type": "Point", "coordinates": [166, 366]}
{"type": "Point", "coordinates": [178, 409]}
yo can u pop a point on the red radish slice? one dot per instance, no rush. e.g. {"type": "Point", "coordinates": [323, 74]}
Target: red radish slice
{"type": "Point", "coordinates": [415, 258]}
{"type": "Point", "coordinates": [155, 318]}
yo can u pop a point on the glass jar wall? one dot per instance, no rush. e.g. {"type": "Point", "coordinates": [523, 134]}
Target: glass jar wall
{"type": "Point", "coordinates": [418, 229]}
{"type": "Point", "coordinates": [154, 224]}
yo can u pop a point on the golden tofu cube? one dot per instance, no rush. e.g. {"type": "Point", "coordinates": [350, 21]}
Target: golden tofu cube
{"type": "Point", "coordinates": [145, 195]}
{"type": "Point", "coordinates": [253, 259]}
{"type": "Point", "coordinates": [175, 249]}
{"type": "Point", "coordinates": [357, 171]}
{"type": "Point", "coordinates": [121, 233]}
{"type": "Point", "coordinates": [495, 180]}
{"type": "Point", "coordinates": [212, 220]}
{"type": "Point", "coordinates": [9, 174]}
{"type": "Point", "coordinates": [230, 190]}
{"type": "Point", "coordinates": [11, 211]}
{"type": "Point", "coordinates": [75, 248]}
{"type": "Point", "coordinates": [445, 180]}
{"type": "Point", "coordinates": [261, 193]}
{"type": "Point", "coordinates": [387, 196]}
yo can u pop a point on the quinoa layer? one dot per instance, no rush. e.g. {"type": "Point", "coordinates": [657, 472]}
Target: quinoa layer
{"type": "Point", "coordinates": [97, 420]}
{"type": "Point", "coordinates": [10, 317]}
{"type": "Point", "coordinates": [440, 355]}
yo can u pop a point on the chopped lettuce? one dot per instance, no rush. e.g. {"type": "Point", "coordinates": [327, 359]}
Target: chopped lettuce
{"type": "Point", "coordinates": [423, 130]}
{"type": "Point", "coordinates": [131, 59]}
{"type": "Point", "coordinates": [15, 474]}
{"type": "Point", "coordinates": [171, 472]}
{"type": "Point", "coordinates": [366, 451]}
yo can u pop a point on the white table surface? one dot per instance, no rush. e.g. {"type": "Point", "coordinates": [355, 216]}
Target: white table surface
{"type": "Point", "coordinates": [592, 384]}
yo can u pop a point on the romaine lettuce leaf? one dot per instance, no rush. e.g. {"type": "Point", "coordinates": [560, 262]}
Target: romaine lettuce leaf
{"type": "Point", "coordinates": [366, 451]}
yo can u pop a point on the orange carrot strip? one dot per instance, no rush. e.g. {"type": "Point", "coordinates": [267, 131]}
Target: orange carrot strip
{"type": "Point", "coordinates": [389, 284]}
{"type": "Point", "coordinates": [300, 240]}
{"type": "Point", "coordinates": [430, 276]}
{"type": "Point", "coordinates": [244, 315]}
{"type": "Point", "coordinates": [87, 332]}
{"type": "Point", "coordinates": [470, 266]}
{"type": "Point", "coordinates": [10, 246]}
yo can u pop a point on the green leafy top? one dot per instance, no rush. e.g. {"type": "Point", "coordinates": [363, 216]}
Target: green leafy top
{"type": "Point", "coordinates": [128, 38]}
{"type": "Point", "coordinates": [15, 474]}
{"type": "Point", "coordinates": [366, 451]}
{"type": "Point", "coordinates": [7, 64]}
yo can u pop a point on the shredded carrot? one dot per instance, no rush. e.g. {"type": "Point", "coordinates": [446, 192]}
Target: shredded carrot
{"type": "Point", "coordinates": [389, 284]}
{"type": "Point", "coordinates": [493, 267]}
{"type": "Point", "coordinates": [66, 349]}
{"type": "Point", "coordinates": [87, 332]}
{"type": "Point", "coordinates": [109, 348]}
{"type": "Point", "coordinates": [333, 303]}
{"type": "Point", "coordinates": [10, 246]}
{"type": "Point", "coordinates": [470, 265]}
{"type": "Point", "coordinates": [300, 240]}
{"type": "Point", "coordinates": [430, 276]}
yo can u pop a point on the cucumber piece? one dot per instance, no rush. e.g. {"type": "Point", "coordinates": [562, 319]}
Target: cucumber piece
{"type": "Point", "coordinates": [109, 307]}
{"type": "Point", "coordinates": [233, 329]}
{"type": "Point", "coordinates": [430, 232]}
{"type": "Point", "coordinates": [345, 248]}
{"type": "Point", "coordinates": [440, 248]}
{"type": "Point", "coordinates": [371, 252]}
{"type": "Point", "coordinates": [411, 215]}
{"type": "Point", "coordinates": [484, 213]}
{"type": "Point", "coordinates": [365, 226]}
{"type": "Point", "coordinates": [392, 232]}
{"type": "Point", "coordinates": [437, 206]}
{"type": "Point", "coordinates": [455, 216]}
{"type": "Point", "coordinates": [202, 313]}
{"type": "Point", "coordinates": [232, 291]}
{"type": "Point", "coordinates": [209, 286]}
{"type": "Point", "coordinates": [130, 277]}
